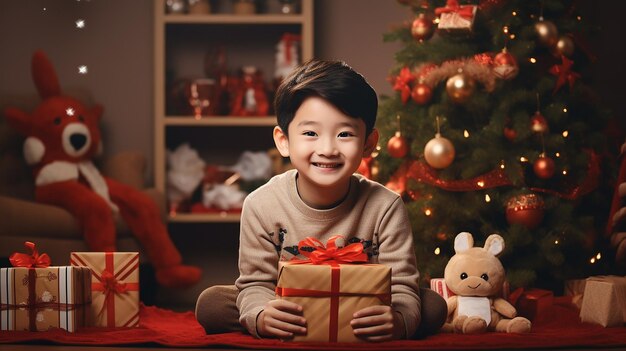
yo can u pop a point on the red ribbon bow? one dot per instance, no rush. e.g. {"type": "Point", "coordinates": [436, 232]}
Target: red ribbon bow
{"type": "Point", "coordinates": [402, 82]}
{"type": "Point", "coordinates": [563, 73]}
{"type": "Point", "coordinates": [452, 6]}
{"type": "Point", "coordinates": [352, 253]}
{"type": "Point", "coordinates": [32, 260]}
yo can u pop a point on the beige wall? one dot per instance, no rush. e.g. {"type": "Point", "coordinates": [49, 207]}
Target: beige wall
{"type": "Point", "coordinates": [117, 45]}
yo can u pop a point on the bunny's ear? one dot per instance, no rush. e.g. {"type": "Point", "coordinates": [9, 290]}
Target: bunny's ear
{"type": "Point", "coordinates": [494, 244]}
{"type": "Point", "coordinates": [463, 242]}
{"type": "Point", "coordinates": [44, 75]}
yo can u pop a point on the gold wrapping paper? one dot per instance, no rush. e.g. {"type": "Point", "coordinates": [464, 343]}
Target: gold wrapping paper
{"type": "Point", "coordinates": [118, 306]}
{"type": "Point", "coordinates": [363, 282]}
{"type": "Point", "coordinates": [61, 297]}
{"type": "Point", "coordinates": [604, 301]}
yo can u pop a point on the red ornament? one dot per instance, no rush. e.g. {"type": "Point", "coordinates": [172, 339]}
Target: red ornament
{"type": "Point", "coordinates": [421, 94]}
{"type": "Point", "coordinates": [505, 66]}
{"type": "Point", "coordinates": [526, 210]}
{"type": "Point", "coordinates": [397, 146]}
{"type": "Point", "coordinates": [422, 28]}
{"type": "Point", "coordinates": [510, 134]}
{"type": "Point", "coordinates": [538, 123]}
{"type": "Point", "coordinates": [544, 167]}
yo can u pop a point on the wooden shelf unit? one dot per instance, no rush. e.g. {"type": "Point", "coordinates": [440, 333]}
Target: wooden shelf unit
{"type": "Point", "coordinates": [195, 28]}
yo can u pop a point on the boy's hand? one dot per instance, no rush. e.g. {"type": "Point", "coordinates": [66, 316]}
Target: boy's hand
{"type": "Point", "coordinates": [282, 319]}
{"type": "Point", "coordinates": [378, 323]}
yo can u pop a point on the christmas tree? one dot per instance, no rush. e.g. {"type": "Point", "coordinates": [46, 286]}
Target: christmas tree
{"type": "Point", "coordinates": [493, 128]}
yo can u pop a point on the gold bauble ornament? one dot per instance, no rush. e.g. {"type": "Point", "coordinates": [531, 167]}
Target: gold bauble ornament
{"type": "Point", "coordinates": [439, 152]}
{"type": "Point", "coordinates": [422, 28]}
{"type": "Point", "coordinates": [460, 87]}
{"type": "Point", "coordinates": [564, 46]}
{"type": "Point", "coordinates": [547, 33]}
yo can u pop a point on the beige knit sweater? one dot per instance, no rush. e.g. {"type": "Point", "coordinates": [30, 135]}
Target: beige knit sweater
{"type": "Point", "coordinates": [275, 219]}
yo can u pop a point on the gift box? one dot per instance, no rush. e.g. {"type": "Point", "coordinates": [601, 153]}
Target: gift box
{"type": "Point", "coordinates": [37, 297]}
{"type": "Point", "coordinates": [456, 18]}
{"type": "Point", "coordinates": [604, 301]}
{"type": "Point", "coordinates": [330, 292]}
{"type": "Point", "coordinates": [533, 303]}
{"type": "Point", "coordinates": [439, 286]}
{"type": "Point", "coordinates": [114, 287]}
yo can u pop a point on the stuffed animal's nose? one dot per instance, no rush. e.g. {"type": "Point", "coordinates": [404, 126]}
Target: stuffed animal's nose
{"type": "Point", "coordinates": [78, 141]}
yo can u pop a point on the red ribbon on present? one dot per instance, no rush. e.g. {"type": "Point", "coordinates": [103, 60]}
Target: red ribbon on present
{"type": "Point", "coordinates": [563, 73]}
{"type": "Point", "coordinates": [452, 6]}
{"type": "Point", "coordinates": [316, 253]}
{"type": "Point", "coordinates": [402, 82]}
{"type": "Point", "coordinates": [32, 260]}
{"type": "Point", "coordinates": [109, 283]}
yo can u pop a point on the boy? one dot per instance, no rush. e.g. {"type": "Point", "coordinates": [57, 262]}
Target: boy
{"type": "Point", "coordinates": [326, 115]}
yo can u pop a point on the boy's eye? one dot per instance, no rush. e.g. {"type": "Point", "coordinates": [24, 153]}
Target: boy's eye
{"type": "Point", "coordinates": [345, 134]}
{"type": "Point", "coordinates": [309, 134]}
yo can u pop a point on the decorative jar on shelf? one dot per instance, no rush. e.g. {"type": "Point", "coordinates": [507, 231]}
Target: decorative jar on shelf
{"type": "Point", "coordinates": [244, 7]}
{"type": "Point", "coordinates": [199, 7]}
{"type": "Point", "coordinates": [176, 7]}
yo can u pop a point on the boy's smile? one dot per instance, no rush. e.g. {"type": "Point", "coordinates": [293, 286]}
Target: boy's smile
{"type": "Point", "coordinates": [325, 146]}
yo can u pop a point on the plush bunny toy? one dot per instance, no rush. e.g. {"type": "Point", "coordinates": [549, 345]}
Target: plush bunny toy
{"type": "Point", "coordinates": [476, 276]}
{"type": "Point", "coordinates": [62, 138]}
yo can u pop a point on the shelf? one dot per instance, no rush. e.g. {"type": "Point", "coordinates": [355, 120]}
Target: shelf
{"type": "Point", "coordinates": [221, 121]}
{"type": "Point", "coordinates": [234, 19]}
{"type": "Point", "coordinates": [223, 217]}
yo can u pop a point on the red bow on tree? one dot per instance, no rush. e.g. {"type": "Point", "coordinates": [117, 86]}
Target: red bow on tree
{"type": "Point", "coordinates": [563, 73]}
{"type": "Point", "coordinates": [402, 82]}
{"type": "Point", "coordinates": [317, 253]}
{"type": "Point", "coordinates": [452, 6]}
{"type": "Point", "coordinates": [32, 260]}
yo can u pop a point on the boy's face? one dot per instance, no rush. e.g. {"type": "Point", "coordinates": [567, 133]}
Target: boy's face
{"type": "Point", "coordinates": [325, 146]}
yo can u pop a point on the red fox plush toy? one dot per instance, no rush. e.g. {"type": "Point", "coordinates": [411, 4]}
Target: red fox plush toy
{"type": "Point", "coordinates": [62, 137]}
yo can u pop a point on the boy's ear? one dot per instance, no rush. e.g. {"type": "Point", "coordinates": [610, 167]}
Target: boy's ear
{"type": "Point", "coordinates": [281, 141]}
{"type": "Point", "coordinates": [371, 142]}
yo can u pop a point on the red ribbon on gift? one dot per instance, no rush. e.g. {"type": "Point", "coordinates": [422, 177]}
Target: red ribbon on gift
{"type": "Point", "coordinates": [109, 283]}
{"type": "Point", "coordinates": [32, 260]}
{"type": "Point", "coordinates": [452, 6]}
{"type": "Point", "coordinates": [316, 253]}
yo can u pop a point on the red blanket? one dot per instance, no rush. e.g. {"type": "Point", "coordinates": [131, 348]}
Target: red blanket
{"type": "Point", "coordinates": [560, 327]}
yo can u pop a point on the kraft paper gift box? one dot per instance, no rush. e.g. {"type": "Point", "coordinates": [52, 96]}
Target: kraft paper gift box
{"type": "Point", "coordinates": [575, 288]}
{"type": "Point", "coordinates": [604, 301]}
{"type": "Point", "coordinates": [331, 294]}
{"type": "Point", "coordinates": [455, 18]}
{"type": "Point", "coordinates": [114, 287]}
{"type": "Point", "coordinates": [37, 299]}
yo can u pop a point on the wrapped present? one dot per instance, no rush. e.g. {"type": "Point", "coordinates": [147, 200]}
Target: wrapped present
{"type": "Point", "coordinates": [114, 287]}
{"type": "Point", "coordinates": [456, 18]}
{"type": "Point", "coordinates": [604, 301]}
{"type": "Point", "coordinates": [533, 302]}
{"type": "Point", "coordinates": [439, 286]}
{"type": "Point", "coordinates": [37, 297]}
{"type": "Point", "coordinates": [331, 289]}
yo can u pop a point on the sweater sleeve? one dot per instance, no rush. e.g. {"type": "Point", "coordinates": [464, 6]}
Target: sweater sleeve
{"type": "Point", "coordinates": [258, 262]}
{"type": "Point", "coordinates": [397, 251]}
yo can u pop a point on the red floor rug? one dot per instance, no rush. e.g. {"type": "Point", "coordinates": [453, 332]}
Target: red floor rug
{"type": "Point", "coordinates": [559, 328]}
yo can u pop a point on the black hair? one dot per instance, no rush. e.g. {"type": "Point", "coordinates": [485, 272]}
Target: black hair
{"type": "Point", "coordinates": [334, 81]}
